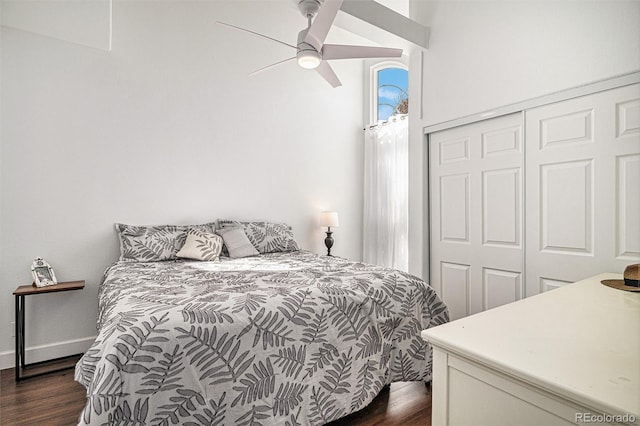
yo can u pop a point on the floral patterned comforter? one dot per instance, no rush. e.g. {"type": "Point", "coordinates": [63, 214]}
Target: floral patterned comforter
{"type": "Point", "coordinates": [283, 338]}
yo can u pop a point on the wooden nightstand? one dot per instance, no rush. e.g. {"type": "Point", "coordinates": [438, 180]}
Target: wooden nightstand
{"type": "Point", "coordinates": [20, 293]}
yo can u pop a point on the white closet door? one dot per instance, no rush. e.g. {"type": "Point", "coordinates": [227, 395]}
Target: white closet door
{"type": "Point", "coordinates": [476, 214]}
{"type": "Point", "coordinates": [583, 188]}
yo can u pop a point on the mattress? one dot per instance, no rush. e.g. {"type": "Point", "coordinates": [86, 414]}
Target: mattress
{"type": "Point", "coordinates": [281, 338]}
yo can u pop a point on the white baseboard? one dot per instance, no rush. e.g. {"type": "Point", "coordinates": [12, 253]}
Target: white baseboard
{"type": "Point", "coordinates": [49, 351]}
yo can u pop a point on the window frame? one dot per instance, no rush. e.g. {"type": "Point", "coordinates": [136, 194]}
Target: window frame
{"type": "Point", "coordinates": [373, 85]}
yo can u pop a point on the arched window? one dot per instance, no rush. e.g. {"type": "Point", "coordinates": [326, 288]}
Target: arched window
{"type": "Point", "coordinates": [389, 90]}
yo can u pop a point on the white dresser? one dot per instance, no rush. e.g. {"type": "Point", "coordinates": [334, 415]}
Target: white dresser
{"type": "Point", "coordinates": [567, 356]}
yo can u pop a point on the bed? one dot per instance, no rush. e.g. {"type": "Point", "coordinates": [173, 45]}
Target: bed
{"type": "Point", "coordinates": [286, 337]}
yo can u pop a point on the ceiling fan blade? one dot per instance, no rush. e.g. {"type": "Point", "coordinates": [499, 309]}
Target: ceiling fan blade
{"type": "Point", "coordinates": [325, 70]}
{"type": "Point", "coordinates": [254, 33]}
{"type": "Point", "coordinates": [271, 66]}
{"type": "Point", "coordinates": [322, 23]}
{"type": "Point", "coordinates": [339, 51]}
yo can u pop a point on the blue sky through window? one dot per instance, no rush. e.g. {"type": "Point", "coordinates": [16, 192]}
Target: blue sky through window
{"type": "Point", "coordinates": [393, 88]}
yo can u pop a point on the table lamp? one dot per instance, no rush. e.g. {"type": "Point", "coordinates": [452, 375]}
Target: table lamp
{"type": "Point", "coordinates": [329, 219]}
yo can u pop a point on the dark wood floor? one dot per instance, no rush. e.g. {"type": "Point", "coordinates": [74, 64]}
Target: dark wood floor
{"type": "Point", "coordinates": [57, 400]}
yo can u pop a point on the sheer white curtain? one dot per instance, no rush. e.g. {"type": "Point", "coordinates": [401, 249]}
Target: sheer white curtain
{"type": "Point", "coordinates": [386, 194]}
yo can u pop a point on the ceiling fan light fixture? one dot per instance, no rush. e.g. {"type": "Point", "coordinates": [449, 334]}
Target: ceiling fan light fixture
{"type": "Point", "coordinates": [309, 59]}
{"type": "Point", "coordinates": [311, 50]}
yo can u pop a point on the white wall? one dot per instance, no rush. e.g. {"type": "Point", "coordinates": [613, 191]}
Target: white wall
{"type": "Point", "coordinates": [165, 128]}
{"type": "Point", "coordinates": [486, 54]}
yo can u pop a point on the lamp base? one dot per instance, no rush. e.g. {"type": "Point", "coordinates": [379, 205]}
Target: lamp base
{"type": "Point", "coordinates": [329, 242]}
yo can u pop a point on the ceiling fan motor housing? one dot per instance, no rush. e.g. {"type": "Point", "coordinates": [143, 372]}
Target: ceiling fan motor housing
{"type": "Point", "coordinates": [307, 55]}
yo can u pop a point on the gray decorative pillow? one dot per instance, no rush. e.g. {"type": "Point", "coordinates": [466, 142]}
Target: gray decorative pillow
{"type": "Point", "coordinates": [266, 237]}
{"type": "Point", "coordinates": [154, 243]}
{"type": "Point", "coordinates": [201, 246]}
{"type": "Point", "coordinates": [237, 243]}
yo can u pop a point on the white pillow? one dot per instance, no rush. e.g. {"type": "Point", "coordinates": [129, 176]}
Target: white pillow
{"type": "Point", "coordinates": [201, 245]}
{"type": "Point", "coordinates": [237, 243]}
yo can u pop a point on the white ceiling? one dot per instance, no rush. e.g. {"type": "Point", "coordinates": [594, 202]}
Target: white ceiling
{"type": "Point", "coordinates": [282, 20]}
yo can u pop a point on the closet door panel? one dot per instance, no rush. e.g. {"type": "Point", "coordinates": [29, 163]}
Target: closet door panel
{"type": "Point", "coordinates": [500, 207]}
{"type": "Point", "coordinates": [454, 208]}
{"type": "Point", "coordinates": [628, 233]}
{"type": "Point", "coordinates": [583, 188]}
{"type": "Point", "coordinates": [476, 214]}
{"type": "Point", "coordinates": [567, 187]}
{"type": "Point", "coordinates": [456, 290]}
{"type": "Point", "coordinates": [500, 287]}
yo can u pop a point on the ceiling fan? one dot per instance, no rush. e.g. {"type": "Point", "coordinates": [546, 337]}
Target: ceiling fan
{"type": "Point", "coordinates": [311, 51]}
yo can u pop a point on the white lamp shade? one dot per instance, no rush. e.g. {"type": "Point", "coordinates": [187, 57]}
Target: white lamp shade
{"type": "Point", "coordinates": [329, 219]}
{"type": "Point", "coordinates": [309, 59]}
